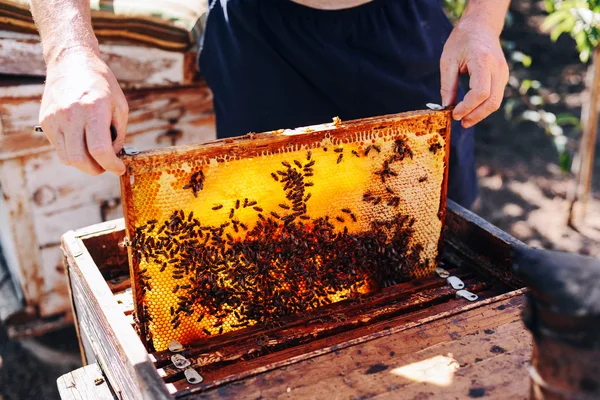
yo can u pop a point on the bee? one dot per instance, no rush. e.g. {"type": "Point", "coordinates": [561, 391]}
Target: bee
{"type": "Point", "coordinates": [353, 217]}
{"type": "Point", "coordinates": [237, 204]}
{"type": "Point", "coordinates": [231, 213]}
{"type": "Point", "coordinates": [218, 207]}
{"type": "Point", "coordinates": [274, 175]}
{"type": "Point", "coordinates": [355, 153]}
{"type": "Point", "coordinates": [422, 179]}
{"type": "Point", "coordinates": [377, 148]}
{"type": "Point", "coordinates": [340, 219]}
{"type": "Point", "coordinates": [338, 150]}
{"type": "Point", "coordinates": [368, 149]}
{"type": "Point", "coordinates": [273, 213]}
{"type": "Point", "coordinates": [308, 155]}
{"type": "Point", "coordinates": [309, 184]}
{"type": "Point", "coordinates": [339, 160]}
{"type": "Point", "coordinates": [284, 206]}
{"type": "Point", "coordinates": [298, 163]}
{"type": "Point", "coordinates": [252, 203]}
{"type": "Point", "coordinates": [390, 191]}
{"type": "Point", "coordinates": [286, 164]}
{"type": "Point", "coordinates": [200, 318]}
{"type": "Point", "coordinates": [346, 210]}
{"type": "Point", "coordinates": [307, 197]}
{"type": "Point", "coordinates": [256, 208]}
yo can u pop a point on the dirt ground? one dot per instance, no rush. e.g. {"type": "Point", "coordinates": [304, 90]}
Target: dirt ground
{"type": "Point", "coordinates": [523, 191]}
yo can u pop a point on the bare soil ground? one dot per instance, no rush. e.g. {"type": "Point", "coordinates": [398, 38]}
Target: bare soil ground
{"type": "Point", "coordinates": [523, 191]}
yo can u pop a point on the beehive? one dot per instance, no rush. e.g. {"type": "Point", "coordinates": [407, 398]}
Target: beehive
{"type": "Point", "coordinates": [242, 231]}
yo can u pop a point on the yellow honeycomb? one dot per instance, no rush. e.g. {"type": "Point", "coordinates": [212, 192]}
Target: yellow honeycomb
{"type": "Point", "coordinates": [242, 231]}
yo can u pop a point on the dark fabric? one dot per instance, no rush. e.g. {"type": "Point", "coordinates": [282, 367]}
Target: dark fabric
{"type": "Point", "coordinates": [276, 64]}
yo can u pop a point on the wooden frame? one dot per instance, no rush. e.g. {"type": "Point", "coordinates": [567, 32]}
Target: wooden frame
{"type": "Point", "coordinates": [134, 65]}
{"type": "Point", "coordinates": [108, 336]}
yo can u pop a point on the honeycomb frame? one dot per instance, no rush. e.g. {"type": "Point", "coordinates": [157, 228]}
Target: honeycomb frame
{"type": "Point", "coordinates": [403, 185]}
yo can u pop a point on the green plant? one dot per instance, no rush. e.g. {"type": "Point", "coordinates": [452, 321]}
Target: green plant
{"type": "Point", "coordinates": [579, 18]}
{"type": "Point", "coordinates": [454, 8]}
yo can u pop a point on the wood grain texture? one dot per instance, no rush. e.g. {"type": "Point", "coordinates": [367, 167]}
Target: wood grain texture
{"type": "Point", "coordinates": [115, 344]}
{"type": "Point", "coordinates": [44, 199]}
{"type": "Point", "coordinates": [134, 65]}
{"type": "Point", "coordinates": [21, 247]}
{"type": "Point", "coordinates": [471, 239]}
{"type": "Point", "coordinates": [85, 383]}
{"type": "Point", "coordinates": [488, 345]}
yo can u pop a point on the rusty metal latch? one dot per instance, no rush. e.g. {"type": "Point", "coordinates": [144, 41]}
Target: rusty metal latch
{"type": "Point", "coordinates": [456, 282]}
{"type": "Point", "coordinates": [434, 107]}
{"type": "Point", "coordinates": [442, 273]}
{"type": "Point", "coordinates": [465, 294]}
{"type": "Point", "coordinates": [192, 376]}
{"type": "Point", "coordinates": [175, 346]}
{"type": "Point", "coordinates": [180, 361]}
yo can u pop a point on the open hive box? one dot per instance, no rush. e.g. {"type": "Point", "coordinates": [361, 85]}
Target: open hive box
{"type": "Point", "coordinates": [271, 249]}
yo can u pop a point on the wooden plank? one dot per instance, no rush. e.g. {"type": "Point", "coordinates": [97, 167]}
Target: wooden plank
{"type": "Point", "coordinates": [134, 65]}
{"type": "Point", "coordinates": [54, 298]}
{"type": "Point", "coordinates": [115, 344]}
{"type": "Point", "coordinates": [85, 383]}
{"type": "Point", "coordinates": [380, 366]}
{"type": "Point", "coordinates": [43, 198]}
{"type": "Point", "coordinates": [169, 116]}
{"type": "Point", "coordinates": [472, 240]}
{"type": "Point", "coordinates": [22, 245]}
{"type": "Point", "coordinates": [214, 364]}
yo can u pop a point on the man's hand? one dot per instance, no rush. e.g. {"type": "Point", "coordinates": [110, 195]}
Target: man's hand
{"type": "Point", "coordinates": [81, 100]}
{"type": "Point", "coordinates": [474, 47]}
{"type": "Point", "coordinates": [82, 97]}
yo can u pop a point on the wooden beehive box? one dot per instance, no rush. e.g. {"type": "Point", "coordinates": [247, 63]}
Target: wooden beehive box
{"type": "Point", "coordinates": [413, 340]}
{"type": "Point", "coordinates": [41, 198]}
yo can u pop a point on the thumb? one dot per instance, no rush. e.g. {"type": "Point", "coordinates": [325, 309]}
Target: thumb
{"type": "Point", "coordinates": [449, 81]}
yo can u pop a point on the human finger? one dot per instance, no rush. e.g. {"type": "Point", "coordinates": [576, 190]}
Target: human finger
{"type": "Point", "coordinates": [492, 104]}
{"type": "Point", "coordinates": [480, 85]}
{"type": "Point", "coordinates": [99, 143]}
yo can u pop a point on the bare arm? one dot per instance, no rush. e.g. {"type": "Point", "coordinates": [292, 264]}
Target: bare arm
{"type": "Point", "coordinates": [474, 47]}
{"type": "Point", "coordinates": [82, 97]}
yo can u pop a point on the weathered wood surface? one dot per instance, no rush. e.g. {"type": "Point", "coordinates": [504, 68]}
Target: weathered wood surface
{"type": "Point", "coordinates": [43, 198]}
{"type": "Point", "coordinates": [134, 65]}
{"type": "Point", "coordinates": [471, 240]}
{"type": "Point", "coordinates": [481, 352]}
{"type": "Point", "coordinates": [19, 245]}
{"type": "Point", "coordinates": [85, 383]}
{"type": "Point", "coordinates": [115, 344]}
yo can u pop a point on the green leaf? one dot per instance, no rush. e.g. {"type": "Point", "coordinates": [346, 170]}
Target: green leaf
{"type": "Point", "coordinates": [564, 161]}
{"type": "Point", "coordinates": [567, 119]}
{"type": "Point", "coordinates": [555, 18]}
{"type": "Point", "coordinates": [584, 55]}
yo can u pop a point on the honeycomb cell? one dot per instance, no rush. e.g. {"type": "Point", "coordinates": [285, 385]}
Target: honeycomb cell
{"type": "Point", "coordinates": [251, 230]}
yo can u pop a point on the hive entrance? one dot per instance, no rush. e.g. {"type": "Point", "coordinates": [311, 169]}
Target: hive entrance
{"type": "Point", "coordinates": [247, 231]}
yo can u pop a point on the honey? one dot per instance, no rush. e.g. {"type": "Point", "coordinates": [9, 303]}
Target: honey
{"type": "Point", "coordinates": [247, 231]}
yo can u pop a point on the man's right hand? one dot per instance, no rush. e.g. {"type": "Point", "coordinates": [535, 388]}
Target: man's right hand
{"type": "Point", "coordinates": [81, 100]}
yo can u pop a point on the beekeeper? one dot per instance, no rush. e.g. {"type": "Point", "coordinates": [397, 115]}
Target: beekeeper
{"type": "Point", "coordinates": [275, 64]}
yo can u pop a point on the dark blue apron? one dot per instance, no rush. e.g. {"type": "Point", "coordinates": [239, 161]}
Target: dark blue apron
{"type": "Point", "coordinates": [275, 64]}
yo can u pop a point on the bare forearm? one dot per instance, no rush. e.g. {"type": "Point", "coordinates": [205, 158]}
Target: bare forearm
{"type": "Point", "coordinates": [488, 13]}
{"type": "Point", "coordinates": [64, 25]}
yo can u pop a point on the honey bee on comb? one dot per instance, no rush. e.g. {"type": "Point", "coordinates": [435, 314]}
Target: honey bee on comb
{"type": "Point", "coordinates": [243, 232]}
